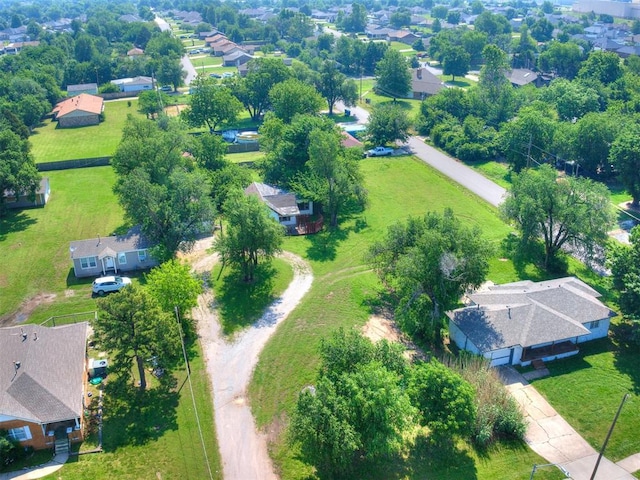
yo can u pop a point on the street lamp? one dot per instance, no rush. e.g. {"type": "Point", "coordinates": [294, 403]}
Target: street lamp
{"type": "Point", "coordinates": [560, 467]}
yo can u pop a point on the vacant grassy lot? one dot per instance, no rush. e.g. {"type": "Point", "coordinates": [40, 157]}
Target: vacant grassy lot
{"type": "Point", "coordinates": [49, 143]}
{"type": "Point", "coordinates": [158, 438]}
{"type": "Point", "coordinates": [345, 293]}
{"type": "Point", "coordinates": [35, 243]}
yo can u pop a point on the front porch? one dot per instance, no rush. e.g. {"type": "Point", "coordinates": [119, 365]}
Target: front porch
{"type": "Point", "coordinates": [307, 225]}
{"type": "Point", "coordinates": [549, 352]}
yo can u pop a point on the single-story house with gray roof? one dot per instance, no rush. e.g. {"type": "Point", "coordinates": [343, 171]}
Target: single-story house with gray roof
{"type": "Point", "coordinates": [516, 323]}
{"type": "Point", "coordinates": [114, 254]}
{"type": "Point", "coordinates": [42, 383]}
{"type": "Point", "coordinates": [286, 208]}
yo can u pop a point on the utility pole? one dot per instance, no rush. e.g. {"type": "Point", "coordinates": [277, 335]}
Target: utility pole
{"type": "Point", "coordinates": [606, 440]}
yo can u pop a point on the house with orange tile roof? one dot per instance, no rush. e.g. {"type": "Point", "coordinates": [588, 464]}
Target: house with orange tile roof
{"type": "Point", "coordinates": [79, 111]}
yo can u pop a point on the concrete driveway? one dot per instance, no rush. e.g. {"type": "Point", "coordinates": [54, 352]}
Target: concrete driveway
{"type": "Point", "coordinates": [551, 437]}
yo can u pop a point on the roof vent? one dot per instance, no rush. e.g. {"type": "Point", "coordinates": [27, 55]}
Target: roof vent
{"type": "Point", "coordinates": [24, 335]}
{"type": "Point", "coordinates": [35, 336]}
{"type": "Point", "coordinates": [16, 365]}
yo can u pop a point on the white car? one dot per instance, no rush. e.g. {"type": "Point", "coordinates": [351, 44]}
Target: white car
{"type": "Point", "coordinates": [380, 152]}
{"type": "Point", "coordinates": [104, 285]}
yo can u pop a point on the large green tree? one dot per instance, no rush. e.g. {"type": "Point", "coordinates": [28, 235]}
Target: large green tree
{"type": "Point", "coordinates": [572, 212]}
{"type": "Point", "coordinates": [133, 328]}
{"type": "Point", "coordinates": [445, 399]}
{"type": "Point", "coordinates": [387, 123]}
{"type": "Point", "coordinates": [358, 406]}
{"type": "Point", "coordinates": [393, 78]}
{"type": "Point", "coordinates": [253, 90]}
{"type": "Point", "coordinates": [624, 261]}
{"type": "Point", "coordinates": [159, 188]}
{"type": "Point", "coordinates": [334, 86]}
{"type": "Point", "coordinates": [563, 59]}
{"type": "Point", "coordinates": [174, 286]}
{"type": "Point", "coordinates": [428, 263]}
{"type": "Point", "coordinates": [211, 105]}
{"type": "Point", "coordinates": [251, 235]}
{"type": "Point", "coordinates": [523, 139]}
{"type": "Point", "coordinates": [18, 171]}
{"type": "Point", "coordinates": [293, 97]}
{"type": "Point", "coordinates": [455, 61]}
{"type": "Point", "coordinates": [333, 177]}
{"type": "Point", "coordinates": [625, 156]}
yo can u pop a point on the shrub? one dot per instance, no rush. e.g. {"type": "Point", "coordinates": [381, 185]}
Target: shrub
{"type": "Point", "coordinates": [499, 415]}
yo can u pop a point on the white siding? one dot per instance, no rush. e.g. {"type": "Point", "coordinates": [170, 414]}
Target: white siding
{"type": "Point", "coordinates": [600, 332]}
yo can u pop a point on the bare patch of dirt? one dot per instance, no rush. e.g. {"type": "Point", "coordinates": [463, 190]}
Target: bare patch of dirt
{"type": "Point", "coordinates": [27, 307]}
{"type": "Point", "coordinates": [381, 327]}
{"type": "Point", "coordinates": [174, 110]}
{"type": "Point", "coordinates": [3, 281]}
{"type": "Point", "coordinates": [200, 257]}
{"type": "Point", "coordinates": [69, 293]}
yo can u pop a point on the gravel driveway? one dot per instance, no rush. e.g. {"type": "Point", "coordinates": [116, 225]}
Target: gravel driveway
{"type": "Point", "coordinates": [230, 364]}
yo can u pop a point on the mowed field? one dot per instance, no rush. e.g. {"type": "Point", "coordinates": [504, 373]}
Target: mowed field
{"type": "Point", "coordinates": [49, 143]}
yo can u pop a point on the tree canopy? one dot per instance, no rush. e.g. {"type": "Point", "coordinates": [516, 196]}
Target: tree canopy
{"type": "Point", "coordinates": [393, 76]}
{"type": "Point", "coordinates": [211, 104]}
{"type": "Point", "coordinates": [573, 212]}
{"type": "Point", "coordinates": [159, 188]}
{"type": "Point", "coordinates": [428, 263]}
{"type": "Point", "coordinates": [133, 328]}
{"type": "Point", "coordinates": [251, 235]}
{"type": "Point", "coordinates": [387, 123]}
{"type": "Point", "coordinates": [18, 171]}
{"type": "Point", "coordinates": [332, 177]}
{"type": "Point", "coordinates": [624, 261]}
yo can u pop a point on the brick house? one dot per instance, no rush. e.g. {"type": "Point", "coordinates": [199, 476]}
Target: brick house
{"type": "Point", "coordinates": [79, 111]}
{"type": "Point", "coordinates": [42, 383]}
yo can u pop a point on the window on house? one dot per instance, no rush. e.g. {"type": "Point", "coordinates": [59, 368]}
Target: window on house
{"type": "Point", "coordinates": [122, 258]}
{"type": "Point", "coordinates": [303, 205]}
{"type": "Point", "coordinates": [88, 262]}
{"type": "Point", "coordinates": [284, 219]}
{"type": "Point", "coordinates": [594, 325]}
{"type": "Point", "coordinates": [20, 434]}
{"type": "Point", "coordinates": [142, 255]}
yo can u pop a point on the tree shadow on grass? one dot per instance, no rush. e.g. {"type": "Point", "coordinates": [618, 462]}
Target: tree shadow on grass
{"type": "Point", "coordinates": [240, 304]}
{"type": "Point", "coordinates": [132, 417]}
{"type": "Point", "coordinates": [14, 221]}
{"type": "Point", "coordinates": [627, 354]}
{"type": "Point", "coordinates": [323, 245]}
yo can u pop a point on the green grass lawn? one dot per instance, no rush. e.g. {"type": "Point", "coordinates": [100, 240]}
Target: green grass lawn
{"type": "Point", "coordinates": [587, 389]}
{"type": "Point", "coordinates": [344, 293]}
{"type": "Point", "coordinates": [170, 447]}
{"type": "Point", "coordinates": [240, 304]}
{"type": "Point", "coordinates": [35, 243]}
{"type": "Point", "coordinates": [49, 143]}
{"type": "Point", "coordinates": [245, 157]}
{"type": "Point", "coordinates": [412, 107]}
{"type": "Point", "coordinates": [459, 82]}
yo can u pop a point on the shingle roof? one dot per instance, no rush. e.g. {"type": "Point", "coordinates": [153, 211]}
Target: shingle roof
{"type": "Point", "coordinates": [82, 86]}
{"type": "Point", "coordinates": [281, 202]}
{"type": "Point", "coordinates": [83, 102]}
{"type": "Point", "coordinates": [95, 247]}
{"type": "Point", "coordinates": [423, 81]}
{"type": "Point", "coordinates": [527, 313]}
{"type": "Point", "coordinates": [47, 385]}
{"type": "Point", "coordinates": [522, 76]}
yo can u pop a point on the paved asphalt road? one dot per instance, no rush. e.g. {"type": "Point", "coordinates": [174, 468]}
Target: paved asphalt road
{"type": "Point", "coordinates": [185, 61]}
{"type": "Point", "coordinates": [452, 168]}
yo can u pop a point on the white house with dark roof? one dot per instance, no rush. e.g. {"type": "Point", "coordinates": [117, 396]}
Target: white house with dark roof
{"type": "Point", "coordinates": [286, 208]}
{"type": "Point", "coordinates": [517, 323]}
{"type": "Point", "coordinates": [113, 254]}
{"type": "Point", "coordinates": [42, 380]}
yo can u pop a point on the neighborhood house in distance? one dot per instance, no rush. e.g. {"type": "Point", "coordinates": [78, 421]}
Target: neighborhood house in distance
{"type": "Point", "coordinates": [42, 384]}
{"type": "Point", "coordinates": [518, 323]}
{"type": "Point", "coordinates": [79, 111]}
{"type": "Point", "coordinates": [114, 254]}
{"type": "Point", "coordinates": [25, 200]}
{"type": "Point", "coordinates": [290, 212]}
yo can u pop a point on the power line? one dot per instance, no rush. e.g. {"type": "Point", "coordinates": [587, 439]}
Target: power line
{"type": "Point", "coordinates": [193, 398]}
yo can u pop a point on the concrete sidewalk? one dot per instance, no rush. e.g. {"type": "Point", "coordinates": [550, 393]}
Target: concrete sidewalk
{"type": "Point", "coordinates": [551, 437]}
{"type": "Point", "coordinates": [38, 472]}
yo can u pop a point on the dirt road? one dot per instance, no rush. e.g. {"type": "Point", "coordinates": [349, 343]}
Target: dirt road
{"type": "Point", "coordinates": [230, 363]}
